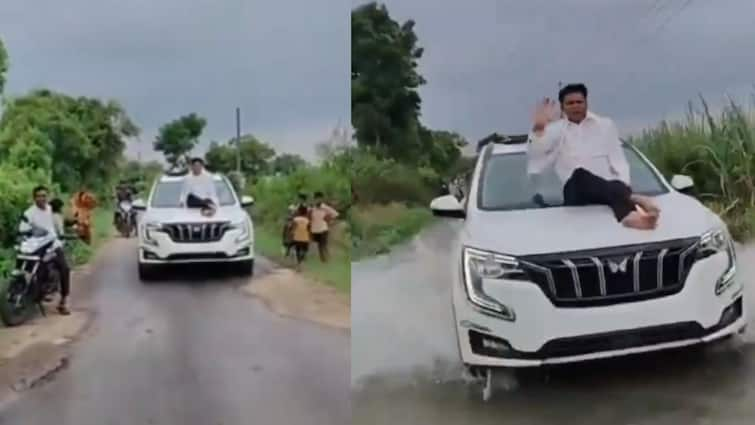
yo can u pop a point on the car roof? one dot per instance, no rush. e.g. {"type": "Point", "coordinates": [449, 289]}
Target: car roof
{"type": "Point", "coordinates": [174, 178]}
{"type": "Point", "coordinates": [505, 149]}
{"type": "Point", "coordinates": [501, 148]}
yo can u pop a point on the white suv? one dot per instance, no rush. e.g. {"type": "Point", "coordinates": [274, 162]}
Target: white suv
{"type": "Point", "coordinates": [537, 283]}
{"type": "Point", "coordinates": [170, 234]}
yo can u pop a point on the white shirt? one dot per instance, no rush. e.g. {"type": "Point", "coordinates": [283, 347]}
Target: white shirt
{"type": "Point", "coordinates": [59, 223]}
{"type": "Point", "coordinates": [593, 144]}
{"type": "Point", "coordinates": [43, 218]}
{"type": "Point", "coordinates": [202, 186]}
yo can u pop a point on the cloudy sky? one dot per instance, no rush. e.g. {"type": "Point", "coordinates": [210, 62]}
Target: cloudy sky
{"type": "Point", "coordinates": [488, 61]}
{"type": "Point", "coordinates": [284, 62]}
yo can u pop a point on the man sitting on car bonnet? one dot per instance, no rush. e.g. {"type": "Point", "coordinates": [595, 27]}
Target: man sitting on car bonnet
{"type": "Point", "coordinates": [588, 157]}
{"type": "Point", "coordinates": [199, 189]}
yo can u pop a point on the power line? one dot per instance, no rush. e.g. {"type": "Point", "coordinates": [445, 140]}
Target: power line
{"type": "Point", "coordinates": [673, 16]}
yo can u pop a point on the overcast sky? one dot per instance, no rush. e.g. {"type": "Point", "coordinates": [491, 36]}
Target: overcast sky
{"type": "Point", "coordinates": [284, 62]}
{"type": "Point", "coordinates": [488, 61]}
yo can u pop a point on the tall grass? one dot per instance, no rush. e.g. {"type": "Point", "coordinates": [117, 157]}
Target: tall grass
{"type": "Point", "coordinates": [718, 152]}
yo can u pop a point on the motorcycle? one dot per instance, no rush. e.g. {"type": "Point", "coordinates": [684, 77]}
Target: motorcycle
{"type": "Point", "coordinates": [126, 219]}
{"type": "Point", "coordinates": [35, 277]}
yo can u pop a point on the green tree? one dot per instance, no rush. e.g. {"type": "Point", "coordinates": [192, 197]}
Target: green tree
{"type": "Point", "coordinates": [441, 150]}
{"type": "Point", "coordinates": [385, 104]}
{"type": "Point", "coordinates": [255, 156]}
{"type": "Point", "coordinates": [82, 139]}
{"type": "Point", "coordinates": [220, 158]}
{"type": "Point", "coordinates": [287, 163]}
{"type": "Point", "coordinates": [177, 138]}
{"type": "Point", "coordinates": [141, 174]}
{"type": "Point", "coordinates": [3, 66]}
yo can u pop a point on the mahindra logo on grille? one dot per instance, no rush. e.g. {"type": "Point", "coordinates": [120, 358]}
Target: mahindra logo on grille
{"type": "Point", "coordinates": [618, 266]}
{"type": "Point", "coordinates": [197, 228]}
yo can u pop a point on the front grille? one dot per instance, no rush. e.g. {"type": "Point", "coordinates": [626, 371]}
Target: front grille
{"type": "Point", "coordinates": [196, 232]}
{"type": "Point", "coordinates": [613, 275]}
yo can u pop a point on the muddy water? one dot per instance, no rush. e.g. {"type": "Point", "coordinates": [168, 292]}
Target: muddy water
{"type": "Point", "coordinates": [406, 369]}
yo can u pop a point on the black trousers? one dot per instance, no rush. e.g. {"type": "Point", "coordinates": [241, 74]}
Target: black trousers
{"type": "Point", "coordinates": [301, 249]}
{"type": "Point", "coordinates": [585, 188]}
{"type": "Point", "coordinates": [65, 272]}
{"type": "Point", "coordinates": [193, 201]}
{"type": "Point", "coordinates": [322, 243]}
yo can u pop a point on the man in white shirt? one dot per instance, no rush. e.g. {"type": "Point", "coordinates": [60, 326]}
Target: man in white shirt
{"type": "Point", "coordinates": [199, 189]}
{"type": "Point", "coordinates": [40, 215]}
{"type": "Point", "coordinates": [586, 152]}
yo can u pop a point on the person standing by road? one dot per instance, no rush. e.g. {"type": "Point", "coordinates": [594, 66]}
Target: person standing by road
{"type": "Point", "coordinates": [321, 215]}
{"type": "Point", "coordinates": [300, 235]}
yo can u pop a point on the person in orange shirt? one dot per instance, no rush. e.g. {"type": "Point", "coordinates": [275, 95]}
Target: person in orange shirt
{"type": "Point", "coordinates": [300, 235]}
{"type": "Point", "coordinates": [83, 205]}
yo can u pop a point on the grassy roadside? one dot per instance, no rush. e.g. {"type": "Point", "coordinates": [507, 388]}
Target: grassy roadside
{"type": "Point", "coordinates": [336, 272]}
{"type": "Point", "coordinates": [377, 228]}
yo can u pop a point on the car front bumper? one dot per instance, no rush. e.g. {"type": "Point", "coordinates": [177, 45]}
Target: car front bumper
{"type": "Point", "coordinates": [160, 249]}
{"type": "Point", "coordinates": [543, 334]}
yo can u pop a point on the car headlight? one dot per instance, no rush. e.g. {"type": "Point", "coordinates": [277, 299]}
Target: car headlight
{"type": "Point", "coordinates": [245, 233]}
{"type": "Point", "coordinates": [480, 265]}
{"type": "Point", "coordinates": [714, 242]}
{"type": "Point", "coordinates": [149, 229]}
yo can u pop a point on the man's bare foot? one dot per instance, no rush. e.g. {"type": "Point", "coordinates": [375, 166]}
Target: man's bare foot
{"type": "Point", "coordinates": [641, 221]}
{"type": "Point", "coordinates": [647, 204]}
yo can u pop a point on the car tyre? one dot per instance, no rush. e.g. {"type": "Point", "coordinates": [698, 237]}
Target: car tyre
{"type": "Point", "coordinates": [147, 273]}
{"type": "Point", "coordinates": [245, 268]}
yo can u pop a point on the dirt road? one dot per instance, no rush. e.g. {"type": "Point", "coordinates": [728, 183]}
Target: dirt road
{"type": "Point", "coordinates": [194, 350]}
{"type": "Point", "coordinates": [406, 369]}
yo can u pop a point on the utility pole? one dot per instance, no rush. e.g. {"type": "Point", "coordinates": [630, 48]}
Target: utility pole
{"type": "Point", "coordinates": [238, 176]}
{"type": "Point", "coordinates": [238, 140]}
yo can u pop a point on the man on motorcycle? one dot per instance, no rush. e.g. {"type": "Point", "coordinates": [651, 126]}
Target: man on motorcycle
{"type": "Point", "coordinates": [40, 215]}
{"type": "Point", "coordinates": [123, 193]}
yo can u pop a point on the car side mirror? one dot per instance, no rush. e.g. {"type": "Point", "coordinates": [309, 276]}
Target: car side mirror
{"type": "Point", "coordinates": [447, 206]}
{"type": "Point", "coordinates": [247, 201]}
{"type": "Point", "coordinates": [683, 183]}
{"type": "Point", "coordinates": [139, 205]}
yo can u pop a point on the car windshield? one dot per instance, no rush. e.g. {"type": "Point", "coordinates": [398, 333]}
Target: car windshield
{"type": "Point", "coordinates": [167, 194]}
{"type": "Point", "coordinates": [505, 184]}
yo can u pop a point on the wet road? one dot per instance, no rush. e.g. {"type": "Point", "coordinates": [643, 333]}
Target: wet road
{"type": "Point", "coordinates": [406, 369]}
{"type": "Point", "coordinates": [191, 352]}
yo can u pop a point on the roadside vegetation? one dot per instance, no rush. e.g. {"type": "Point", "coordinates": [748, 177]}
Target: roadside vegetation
{"type": "Point", "coordinates": [399, 164]}
{"type": "Point", "coordinates": [67, 143]}
{"type": "Point", "coordinates": [274, 192]}
{"type": "Point", "coordinates": [718, 152]}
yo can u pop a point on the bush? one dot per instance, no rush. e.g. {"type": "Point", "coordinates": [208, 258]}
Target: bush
{"type": "Point", "coordinates": [274, 194]}
{"type": "Point", "coordinates": [382, 181]}
{"type": "Point", "coordinates": [718, 153]}
{"type": "Point", "coordinates": [16, 187]}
